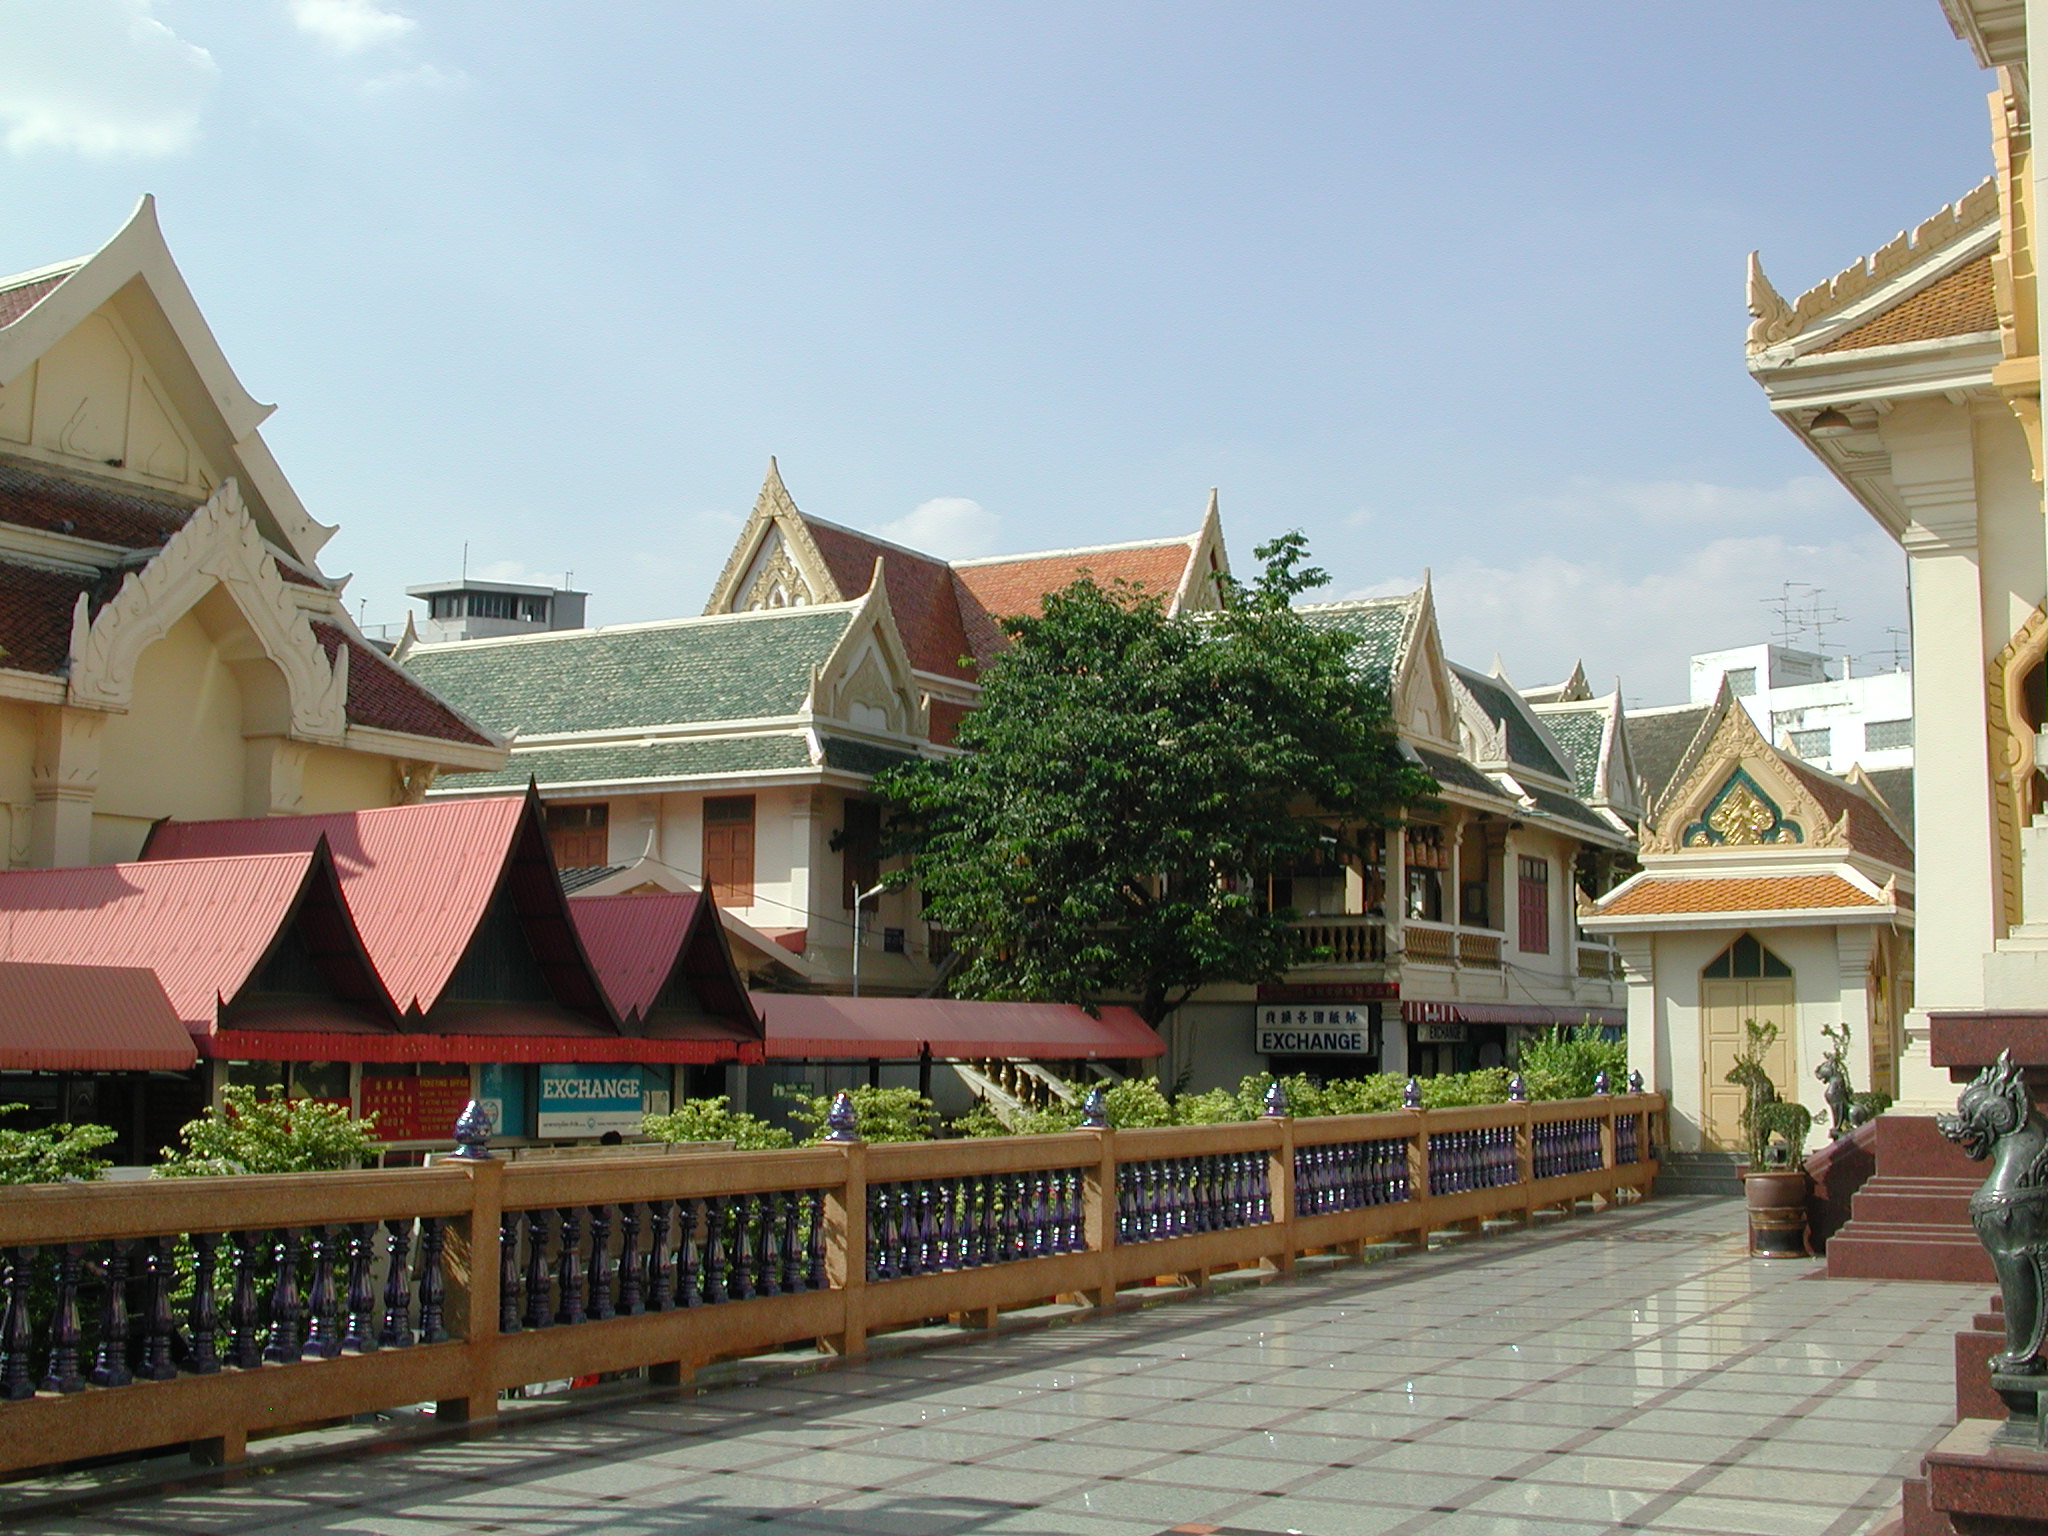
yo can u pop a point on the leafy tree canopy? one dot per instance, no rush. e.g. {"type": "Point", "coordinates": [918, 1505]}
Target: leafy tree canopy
{"type": "Point", "coordinates": [1133, 776]}
{"type": "Point", "coordinates": [248, 1134]}
{"type": "Point", "coordinates": [51, 1154]}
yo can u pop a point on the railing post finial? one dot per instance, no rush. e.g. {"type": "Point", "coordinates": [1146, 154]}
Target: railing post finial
{"type": "Point", "coordinates": [1276, 1101]}
{"type": "Point", "coordinates": [1094, 1110]}
{"type": "Point", "coordinates": [473, 1133]}
{"type": "Point", "coordinates": [841, 1123]}
{"type": "Point", "coordinates": [1600, 1082]}
{"type": "Point", "coordinates": [1635, 1082]}
{"type": "Point", "coordinates": [1518, 1090]}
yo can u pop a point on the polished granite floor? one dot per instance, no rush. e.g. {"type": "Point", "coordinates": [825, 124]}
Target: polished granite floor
{"type": "Point", "coordinates": [1632, 1370]}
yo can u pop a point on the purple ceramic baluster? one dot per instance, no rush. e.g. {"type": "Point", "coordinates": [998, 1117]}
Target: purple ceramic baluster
{"type": "Point", "coordinates": [569, 1267]}
{"type": "Point", "coordinates": [508, 1272]}
{"type": "Point", "coordinates": [285, 1307]}
{"type": "Point", "coordinates": [323, 1339]}
{"type": "Point", "coordinates": [110, 1359]}
{"type": "Point", "coordinates": [396, 1331]}
{"type": "Point", "coordinates": [17, 1333]}
{"type": "Point", "coordinates": [433, 1288]}
{"type": "Point", "coordinates": [359, 1335]}
{"type": "Point", "coordinates": [244, 1354]}
{"type": "Point", "coordinates": [159, 1273]}
{"type": "Point", "coordinates": [600, 1274]}
{"type": "Point", "coordinates": [714, 1249]}
{"type": "Point", "coordinates": [630, 1285]}
{"type": "Point", "coordinates": [692, 1214]}
{"type": "Point", "coordinates": [538, 1311]}
{"type": "Point", "coordinates": [63, 1374]}
{"type": "Point", "coordinates": [815, 1280]}
{"type": "Point", "coordinates": [661, 1273]}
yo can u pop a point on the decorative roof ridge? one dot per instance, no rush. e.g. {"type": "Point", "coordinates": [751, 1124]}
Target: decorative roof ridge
{"type": "Point", "coordinates": [875, 539]}
{"type": "Point", "coordinates": [1642, 710]}
{"type": "Point", "coordinates": [1188, 539]}
{"type": "Point", "coordinates": [14, 280]}
{"type": "Point", "coordinates": [849, 606]}
{"type": "Point", "coordinates": [1773, 320]}
{"type": "Point", "coordinates": [1384, 600]}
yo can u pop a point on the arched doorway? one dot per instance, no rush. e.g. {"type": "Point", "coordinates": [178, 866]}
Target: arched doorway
{"type": "Point", "coordinates": [1745, 981]}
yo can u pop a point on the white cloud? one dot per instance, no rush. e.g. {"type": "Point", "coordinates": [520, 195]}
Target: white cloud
{"type": "Point", "coordinates": [350, 26]}
{"type": "Point", "coordinates": [951, 527]}
{"type": "Point", "coordinates": [1700, 502]}
{"type": "Point", "coordinates": [102, 78]}
{"type": "Point", "coordinates": [1683, 567]}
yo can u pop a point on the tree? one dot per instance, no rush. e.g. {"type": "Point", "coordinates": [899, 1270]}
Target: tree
{"type": "Point", "coordinates": [248, 1134]}
{"type": "Point", "coordinates": [51, 1154]}
{"type": "Point", "coordinates": [1133, 777]}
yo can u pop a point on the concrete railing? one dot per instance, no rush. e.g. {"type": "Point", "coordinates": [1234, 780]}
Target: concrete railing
{"type": "Point", "coordinates": [202, 1311]}
{"type": "Point", "coordinates": [1356, 939]}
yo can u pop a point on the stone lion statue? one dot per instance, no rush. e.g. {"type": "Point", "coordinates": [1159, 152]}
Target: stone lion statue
{"type": "Point", "coordinates": [1995, 1118]}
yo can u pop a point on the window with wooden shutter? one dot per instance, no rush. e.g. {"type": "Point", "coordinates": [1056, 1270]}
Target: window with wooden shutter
{"type": "Point", "coordinates": [580, 835]}
{"type": "Point", "coordinates": [729, 849]}
{"type": "Point", "coordinates": [1535, 906]}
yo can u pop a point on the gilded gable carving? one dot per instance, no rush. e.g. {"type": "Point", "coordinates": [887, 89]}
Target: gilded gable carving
{"type": "Point", "coordinates": [1741, 815]}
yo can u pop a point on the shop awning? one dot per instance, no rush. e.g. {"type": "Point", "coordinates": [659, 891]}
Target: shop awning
{"type": "Point", "coordinates": [1417, 1010]}
{"type": "Point", "coordinates": [902, 1028]}
{"type": "Point", "coordinates": [88, 1018]}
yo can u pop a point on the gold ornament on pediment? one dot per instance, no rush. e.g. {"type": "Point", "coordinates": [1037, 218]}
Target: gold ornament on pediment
{"type": "Point", "coordinates": [1742, 818]}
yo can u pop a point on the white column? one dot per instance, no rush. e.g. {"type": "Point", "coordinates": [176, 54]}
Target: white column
{"type": "Point", "coordinates": [64, 779]}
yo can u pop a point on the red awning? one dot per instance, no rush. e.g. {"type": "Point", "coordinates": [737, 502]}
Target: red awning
{"type": "Point", "coordinates": [316, 1045]}
{"type": "Point", "coordinates": [88, 1018]}
{"type": "Point", "coordinates": [1417, 1010]}
{"type": "Point", "coordinates": [901, 1028]}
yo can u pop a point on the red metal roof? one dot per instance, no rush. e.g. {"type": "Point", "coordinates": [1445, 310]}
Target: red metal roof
{"type": "Point", "coordinates": [896, 1028]}
{"type": "Point", "coordinates": [320, 1045]}
{"type": "Point", "coordinates": [201, 925]}
{"type": "Point", "coordinates": [88, 1018]}
{"type": "Point", "coordinates": [419, 879]}
{"type": "Point", "coordinates": [638, 943]}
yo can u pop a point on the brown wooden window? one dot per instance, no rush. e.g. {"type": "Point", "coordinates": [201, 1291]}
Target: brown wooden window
{"type": "Point", "coordinates": [860, 849]}
{"type": "Point", "coordinates": [1535, 906]}
{"type": "Point", "coordinates": [729, 849]}
{"type": "Point", "coordinates": [580, 835]}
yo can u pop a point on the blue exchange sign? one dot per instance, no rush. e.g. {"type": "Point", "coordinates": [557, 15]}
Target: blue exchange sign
{"type": "Point", "coordinates": [578, 1100]}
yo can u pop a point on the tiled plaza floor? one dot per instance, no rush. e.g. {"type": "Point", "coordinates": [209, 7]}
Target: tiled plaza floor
{"type": "Point", "coordinates": [1626, 1371]}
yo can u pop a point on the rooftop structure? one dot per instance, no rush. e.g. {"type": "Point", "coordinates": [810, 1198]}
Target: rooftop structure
{"type": "Point", "coordinates": [474, 609]}
{"type": "Point", "coordinates": [1814, 705]}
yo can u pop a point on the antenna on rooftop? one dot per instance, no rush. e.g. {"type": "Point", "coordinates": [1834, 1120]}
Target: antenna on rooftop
{"type": "Point", "coordinates": [465, 559]}
{"type": "Point", "coordinates": [1800, 612]}
{"type": "Point", "coordinates": [1901, 648]}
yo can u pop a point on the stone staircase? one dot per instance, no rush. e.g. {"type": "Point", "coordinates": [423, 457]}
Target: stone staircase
{"type": "Point", "coordinates": [1910, 1220]}
{"type": "Point", "coordinates": [1697, 1173]}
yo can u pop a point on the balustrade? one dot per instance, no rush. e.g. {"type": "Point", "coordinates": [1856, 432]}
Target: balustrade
{"type": "Point", "coordinates": [1341, 940]}
{"type": "Point", "coordinates": [452, 1283]}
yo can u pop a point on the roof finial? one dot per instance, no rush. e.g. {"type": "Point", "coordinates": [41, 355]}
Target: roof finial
{"type": "Point", "coordinates": [1767, 307]}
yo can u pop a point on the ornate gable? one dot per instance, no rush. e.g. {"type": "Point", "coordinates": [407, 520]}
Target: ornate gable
{"type": "Point", "coordinates": [774, 563]}
{"type": "Point", "coordinates": [1738, 792]}
{"type": "Point", "coordinates": [867, 682]}
{"type": "Point", "coordinates": [1425, 698]}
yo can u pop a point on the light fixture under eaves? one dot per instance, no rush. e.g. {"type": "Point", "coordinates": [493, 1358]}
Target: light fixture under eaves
{"type": "Point", "coordinates": [1829, 422]}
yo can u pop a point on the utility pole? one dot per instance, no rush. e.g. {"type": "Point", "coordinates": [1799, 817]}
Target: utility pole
{"type": "Point", "coordinates": [858, 902]}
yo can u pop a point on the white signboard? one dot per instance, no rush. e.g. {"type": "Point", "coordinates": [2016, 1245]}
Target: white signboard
{"type": "Point", "coordinates": [588, 1101]}
{"type": "Point", "coordinates": [1316, 1029]}
{"type": "Point", "coordinates": [1440, 1034]}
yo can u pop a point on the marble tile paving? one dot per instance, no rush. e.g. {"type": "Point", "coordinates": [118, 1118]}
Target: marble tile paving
{"type": "Point", "coordinates": [1630, 1371]}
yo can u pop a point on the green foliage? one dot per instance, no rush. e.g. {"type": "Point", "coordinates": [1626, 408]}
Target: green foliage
{"type": "Point", "coordinates": [1132, 777]}
{"type": "Point", "coordinates": [883, 1114]}
{"type": "Point", "coordinates": [1766, 1118]}
{"type": "Point", "coordinates": [715, 1120]}
{"type": "Point", "coordinates": [50, 1155]}
{"type": "Point", "coordinates": [1564, 1063]}
{"type": "Point", "coordinates": [247, 1134]}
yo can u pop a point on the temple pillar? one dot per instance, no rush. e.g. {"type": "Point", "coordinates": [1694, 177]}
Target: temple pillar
{"type": "Point", "coordinates": [64, 780]}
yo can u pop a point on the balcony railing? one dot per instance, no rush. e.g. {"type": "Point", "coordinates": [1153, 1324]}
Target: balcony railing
{"type": "Point", "coordinates": [1479, 949]}
{"type": "Point", "coordinates": [1342, 940]}
{"type": "Point", "coordinates": [140, 1315]}
{"type": "Point", "coordinates": [1599, 962]}
{"type": "Point", "coordinates": [1427, 943]}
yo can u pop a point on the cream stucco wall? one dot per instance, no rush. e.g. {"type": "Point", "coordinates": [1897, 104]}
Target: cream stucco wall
{"type": "Point", "coordinates": [345, 781]}
{"type": "Point", "coordinates": [178, 751]}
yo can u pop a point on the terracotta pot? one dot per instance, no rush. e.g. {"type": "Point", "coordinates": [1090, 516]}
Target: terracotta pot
{"type": "Point", "coordinates": [1776, 1198]}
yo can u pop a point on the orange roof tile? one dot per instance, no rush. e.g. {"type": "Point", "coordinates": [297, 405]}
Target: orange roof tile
{"type": "Point", "coordinates": [999, 589]}
{"type": "Point", "coordinates": [1739, 893]}
{"type": "Point", "coordinates": [1960, 304]}
{"type": "Point", "coordinates": [921, 594]}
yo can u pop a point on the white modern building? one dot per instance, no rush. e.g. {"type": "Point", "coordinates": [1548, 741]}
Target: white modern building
{"type": "Point", "coordinates": [1815, 706]}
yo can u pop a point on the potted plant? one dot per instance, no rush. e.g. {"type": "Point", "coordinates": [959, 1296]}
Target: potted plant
{"type": "Point", "coordinates": [1775, 1184]}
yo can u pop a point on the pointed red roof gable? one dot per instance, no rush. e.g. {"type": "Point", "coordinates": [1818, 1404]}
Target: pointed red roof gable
{"type": "Point", "coordinates": [420, 880]}
{"type": "Point", "coordinates": [202, 925]}
{"type": "Point", "coordinates": [640, 944]}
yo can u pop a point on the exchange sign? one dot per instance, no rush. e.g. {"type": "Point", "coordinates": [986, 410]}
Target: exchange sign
{"type": "Point", "coordinates": [588, 1101]}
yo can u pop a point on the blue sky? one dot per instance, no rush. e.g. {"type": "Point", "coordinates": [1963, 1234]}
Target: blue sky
{"type": "Point", "coordinates": [1456, 287]}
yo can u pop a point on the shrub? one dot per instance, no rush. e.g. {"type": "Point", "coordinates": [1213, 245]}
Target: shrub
{"type": "Point", "coordinates": [52, 1154]}
{"type": "Point", "coordinates": [1564, 1063]}
{"type": "Point", "coordinates": [247, 1134]}
{"type": "Point", "coordinates": [883, 1114]}
{"type": "Point", "coordinates": [715, 1120]}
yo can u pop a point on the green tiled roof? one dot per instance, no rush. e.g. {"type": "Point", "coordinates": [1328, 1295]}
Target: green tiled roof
{"type": "Point", "coordinates": [1565, 808]}
{"type": "Point", "coordinates": [1580, 731]}
{"type": "Point", "coordinates": [1525, 748]}
{"type": "Point", "coordinates": [1455, 773]}
{"type": "Point", "coordinates": [1379, 625]}
{"type": "Point", "coordinates": [744, 667]}
{"type": "Point", "coordinates": [716, 756]}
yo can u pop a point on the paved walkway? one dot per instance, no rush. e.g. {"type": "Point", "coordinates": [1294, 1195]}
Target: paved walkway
{"type": "Point", "coordinates": [1629, 1371]}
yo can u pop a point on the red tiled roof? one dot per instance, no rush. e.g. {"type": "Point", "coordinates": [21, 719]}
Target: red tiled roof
{"type": "Point", "coordinates": [299, 578]}
{"type": "Point", "coordinates": [35, 617]}
{"type": "Point", "coordinates": [91, 509]}
{"type": "Point", "coordinates": [385, 698]}
{"type": "Point", "coordinates": [862, 1028]}
{"type": "Point", "coordinates": [1001, 589]}
{"type": "Point", "coordinates": [921, 593]}
{"type": "Point", "coordinates": [418, 879]}
{"type": "Point", "coordinates": [639, 943]}
{"type": "Point", "coordinates": [1739, 893]}
{"type": "Point", "coordinates": [1960, 304]}
{"type": "Point", "coordinates": [23, 297]}
{"type": "Point", "coordinates": [201, 925]}
{"type": "Point", "coordinates": [88, 1018]}
{"type": "Point", "coordinates": [1870, 830]}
